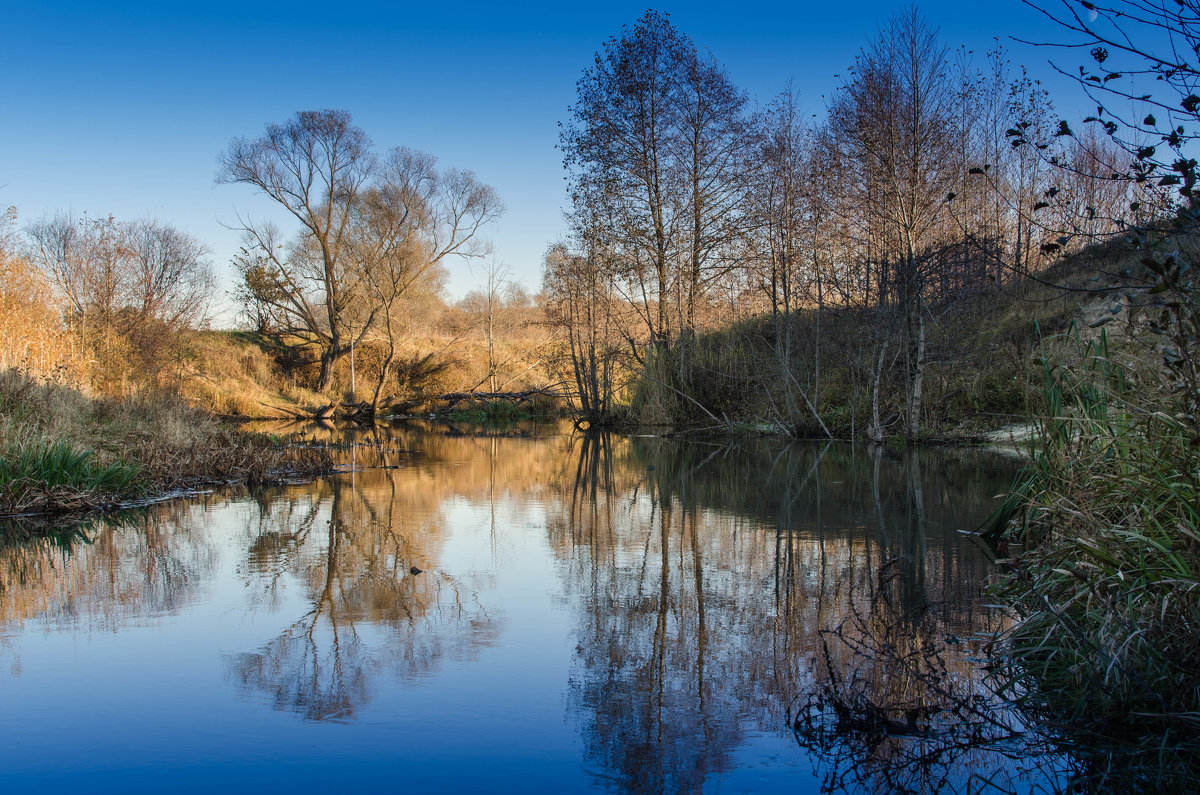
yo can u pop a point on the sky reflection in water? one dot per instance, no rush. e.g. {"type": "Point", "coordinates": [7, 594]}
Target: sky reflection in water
{"type": "Point", "coordinates": [532, 611]}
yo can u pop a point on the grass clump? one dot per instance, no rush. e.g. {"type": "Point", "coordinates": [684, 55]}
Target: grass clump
{"type": "Point", "coordinates": [36, 475]}
{"type": "Point", "coordinates": [1107, 586]}
{"type": "Point", "coordinates": [505, 411]}
{"type": "Point", "coordinates": [58, 464]}
{"type": "Point", "coordinates": [498, 411]}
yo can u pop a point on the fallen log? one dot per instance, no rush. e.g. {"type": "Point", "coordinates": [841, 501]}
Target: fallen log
{"type": "Point", "coordinates": [319, 413]}
{"type": "Point", "coordinates": [454, 398]}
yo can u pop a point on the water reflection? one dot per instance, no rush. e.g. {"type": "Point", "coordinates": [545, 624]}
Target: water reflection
{"type": "Point", "coordinates": [105, 572]}
{"type": "Point", "coordinates": [705, 577]}
{"type": "Point", "coordinates": [366, 549]}
{"type": "Point", "coordinates": [716, 593]}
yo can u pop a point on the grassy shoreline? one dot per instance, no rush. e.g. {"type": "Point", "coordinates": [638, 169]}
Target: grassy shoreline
{"type": "Point", "coordinates": [1106, 587]}
{"type": "Point", "coordinates": [62, 451]}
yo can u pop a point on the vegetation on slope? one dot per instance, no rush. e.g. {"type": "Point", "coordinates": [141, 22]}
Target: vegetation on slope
{"type": "Point", "coordinates": [61, 450]}
{"type": "Point", "coordinates": [982, 374]}
{"type": "Point", "coordinates": [1105, 575]}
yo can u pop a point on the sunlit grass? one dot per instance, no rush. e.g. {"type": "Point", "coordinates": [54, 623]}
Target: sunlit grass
{"type": "Point", "coordinates": [61, 450]}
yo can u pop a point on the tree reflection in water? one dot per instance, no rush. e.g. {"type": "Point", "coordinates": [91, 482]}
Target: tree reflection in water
{"type": "Point", "coordinates": [716, 591]}
{"type": "Point", "coordinates": [708, 581]}
{"type": "Point", "coordinates": [106, 571]}
{"type": "Point", "coordinates": [365, 548]}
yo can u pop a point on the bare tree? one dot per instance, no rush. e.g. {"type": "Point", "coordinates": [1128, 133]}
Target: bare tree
{"type": "Point", "coordinates": [405, 227]}
{"type": "Point", "coordinates": [582, 302]}
{"type": "Point", "coordinates": [130, 290]}
{"type": "Point", "coordinates": [143, 270]}
{"type": "Point", "coordinates": [314, 165]}
{"type": "Point", "coordinates": [713, 144]}
{"type": "Point", "coordinates": [790, 219]}
{"type": "Point", "coordinates": [83, 256]}
{"type": "Point", "coordinates": [487, 307]}
{"type": "Point", "coordinates": [170, 277]}
{"type": "Point", "coordinates": [897, 119]}
{"type": "Point", "coordinates": [618, 148]}
{"type": "Point", "coordinates": [656, 149]}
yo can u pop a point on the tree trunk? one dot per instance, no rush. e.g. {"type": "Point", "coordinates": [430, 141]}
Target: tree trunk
{"type": "Point", "coordinates": [325, 377]}
{"type": "Point", "coordinates": [383, 373]}
{"type": "Point", "coordinates": [918, 373]}
{"type": "Point", "coordinates": [875, 432]}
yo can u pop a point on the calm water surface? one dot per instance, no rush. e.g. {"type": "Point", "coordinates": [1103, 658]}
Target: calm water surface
{"type": "Point", "coordinates": [512, 612]}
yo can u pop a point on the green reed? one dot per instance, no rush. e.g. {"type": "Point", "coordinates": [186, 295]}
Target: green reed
{"type": "Point", "coordinates": [1106, 583]}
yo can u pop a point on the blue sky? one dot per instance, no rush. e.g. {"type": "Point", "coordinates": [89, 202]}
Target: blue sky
{"type": "Point", "coordinates": [122, 108]}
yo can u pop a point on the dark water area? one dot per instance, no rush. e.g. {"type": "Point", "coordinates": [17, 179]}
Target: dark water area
{"type": "Point", "coordinates": [522, 610]}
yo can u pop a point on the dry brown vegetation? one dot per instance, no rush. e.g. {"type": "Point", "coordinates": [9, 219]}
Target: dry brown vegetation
{"type": "Point", "coordinates": [31, 325]}
{"type": "Point", "coordinates": [982, 373]}
{"type": "Point", "coordinates": [109, 393]}
{"type": "Point", "coordinates": [63, 450]}
{"type": "Point", "coordinates": [90, 407]}
{"type": "Point", "coordinates": [445, 349]}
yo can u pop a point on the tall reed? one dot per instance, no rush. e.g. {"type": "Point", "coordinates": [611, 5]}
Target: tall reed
{"type": "Point", "coordinates": [1107, 584]}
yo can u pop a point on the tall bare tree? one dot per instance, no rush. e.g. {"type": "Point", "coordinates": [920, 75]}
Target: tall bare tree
{"type": "Point", "coordinates": [405, 227]}
{"type": "Point", "coordinates": [656, 149]}
{"type": "Point", "coordinates": [314, 165]}
{"type": "Point", "coordinates": [618, 148]}
{"type": "Point", "coordinates": [790, 218]}
{"type": "Point", "coordinates": [896, 117]}
{"type": "Point", "coordinates": [712, 146]}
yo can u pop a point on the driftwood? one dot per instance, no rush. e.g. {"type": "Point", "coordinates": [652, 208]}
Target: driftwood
{"type": "Point", "coordinates": [358, 412]}
{"type": "Point", "coordinates": [299, 414]}
{"type": "Point", "coordinates": [319, 413]}
{"type": "Point", "coordinates": [451, 399]}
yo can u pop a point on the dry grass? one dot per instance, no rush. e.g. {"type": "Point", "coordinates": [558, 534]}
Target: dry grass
{"type": "Point", "coordinates": [981, 349]}
{"type": "Point", "coordinates": [64, 451]}
{"type": "Point", "coordinates": [245, 375]}
{"type": "Point", "coordinates": [31, 331]}
{"type": "Point", "coordinates": [236, 374]}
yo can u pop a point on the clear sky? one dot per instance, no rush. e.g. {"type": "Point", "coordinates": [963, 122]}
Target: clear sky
{"type": "Point", "coordinates": [123, 107]}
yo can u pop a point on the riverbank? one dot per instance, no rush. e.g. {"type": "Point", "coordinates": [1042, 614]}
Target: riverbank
{"type": "Point", "coordinates": [1106, 591]}
{"type": "Point", "coordinates": [62, 450]}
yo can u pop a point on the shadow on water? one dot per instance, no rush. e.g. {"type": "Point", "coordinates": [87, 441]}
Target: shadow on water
{"type": "Point", "coordinates": [718, 593]}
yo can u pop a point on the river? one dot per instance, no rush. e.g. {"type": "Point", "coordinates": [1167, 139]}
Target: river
{"type": "Point", "coordinates": [517, 610]}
